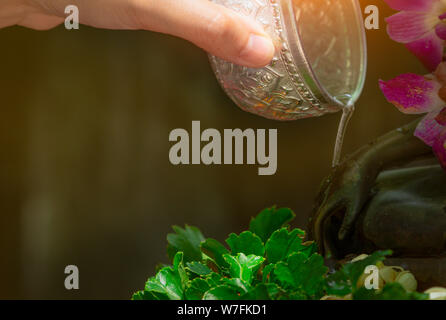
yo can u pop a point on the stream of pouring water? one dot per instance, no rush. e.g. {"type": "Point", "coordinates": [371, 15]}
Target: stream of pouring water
{"type": "Point", "coordinates": [347, 113]}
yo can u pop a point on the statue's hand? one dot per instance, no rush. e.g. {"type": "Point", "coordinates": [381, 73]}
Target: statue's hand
{"type": "Point", "coordinates": [344, 191]}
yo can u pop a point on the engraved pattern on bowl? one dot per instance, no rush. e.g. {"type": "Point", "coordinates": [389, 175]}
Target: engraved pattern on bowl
{"type": "Point", "coordinates": [314, 70]}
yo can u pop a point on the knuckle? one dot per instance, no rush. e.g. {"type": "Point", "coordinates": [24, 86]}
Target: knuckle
{"type": "Point", "coordinates": [136, 14]}
{"type": "Point", "coordinates": [222, 27]}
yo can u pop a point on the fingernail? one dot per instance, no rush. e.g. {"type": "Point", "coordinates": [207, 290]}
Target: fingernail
{"type": "Point", "coordinates": [258, 52]}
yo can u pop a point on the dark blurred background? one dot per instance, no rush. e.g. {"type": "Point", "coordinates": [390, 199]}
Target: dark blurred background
{"type": "Point", "coordinates": [85, 177]}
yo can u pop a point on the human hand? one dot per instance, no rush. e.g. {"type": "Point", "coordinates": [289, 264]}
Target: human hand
{"type": "Point", "coordinates": [214, 28]}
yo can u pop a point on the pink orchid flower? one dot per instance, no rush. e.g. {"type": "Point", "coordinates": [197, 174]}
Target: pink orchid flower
{"type": "Point", "coordinates": [421, 26]}
{"type": "Point", "coordinates": [415, 94]}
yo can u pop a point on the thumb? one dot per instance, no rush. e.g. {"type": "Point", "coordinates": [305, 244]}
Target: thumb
{"type": "Point", "coordinates": [214, 28]}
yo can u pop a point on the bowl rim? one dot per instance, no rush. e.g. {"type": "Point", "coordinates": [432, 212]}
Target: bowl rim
{"type": "Point", "coordinates": [306, 72]}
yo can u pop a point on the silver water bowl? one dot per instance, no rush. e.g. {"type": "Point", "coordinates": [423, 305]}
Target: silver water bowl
{"type": "Point", "coordinates": [319, 65]}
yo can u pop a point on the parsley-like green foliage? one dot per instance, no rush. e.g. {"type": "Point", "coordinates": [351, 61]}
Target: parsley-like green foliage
{"type": "Point", "coordinates": [270, 261]}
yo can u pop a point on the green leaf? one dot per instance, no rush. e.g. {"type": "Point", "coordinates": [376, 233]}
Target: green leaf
{"type": "Point", "coordinates": [167, 282]}
{"type": "Point", "coordinates": [298, 295]}
{"type": "Point", "coordinates": [186, 240]}
{"type": "Point", "coordinates": [239, 284]}
{"type": "Point", "coordinates": [215, 250]}
{"type": "Point", "coordinates": [265, 291]}
{"type": "Point", "coordinates": [266, 272]}
{"type": "Point", "coordinates": [354, 270]}
{"type": "Point", "coordinates": [170, 281]}
{"type": "Point", "coordinates": [284, 275]}
{"type": "Point", "coordinates": [283, 243]}
{"type": "Point", "coordinates": [344, 281]}
{"type": "Point", "coordinates": [214, 279]}
{"type": "Point", "coordinates": [223, 292]}
{"type": "Point", "coordinates": [259, 292]}
{"type": "Point", "coordinates": [206, 269]}
{"type": "Point", "coordinates": [247, 243]}
{"type": "Point", "coordinates": [178, 267]}
{"type": "Point", "coordinates": [243, 267]}
{"type": "Point", "coordinates": [196, 289]}
{"type": "Point", "coordinates": [338, 284]}
{"type": "Point", "coordinates": [274, 291]}
{"type": "Point", "coordinates": [198, 268]}
{"type": "Point", "coordinates": [302, 273]}
{"type": "Point", "coordinates": [309, 248]}
{"type": "Point", "coordinates": [269, 220]}
{"type": "Point", "coordinates": [391, 291]}
{"type": "Point", "coordinates": [311, 274]}
{"type": "Point", "coordinates": [145, 295]}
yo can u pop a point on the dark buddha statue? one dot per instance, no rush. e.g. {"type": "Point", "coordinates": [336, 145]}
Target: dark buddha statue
{"type": "Point", "coordinates": [389, 194]}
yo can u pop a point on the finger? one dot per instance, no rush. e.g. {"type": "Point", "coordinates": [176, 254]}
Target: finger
{"type": "Point", "coordinates": [216, 29]}
{"type": "Point", "coordinates": [323, 213]}
{"type": "Point", "coordinates": [40, 21]}
{"type": "Point", "coordinates": [353, 209]}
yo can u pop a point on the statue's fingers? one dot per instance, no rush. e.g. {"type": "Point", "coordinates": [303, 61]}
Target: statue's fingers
{"type": "Point", "coordinates": [329, 206]}
{"type": "Point", "coordinates": [352, 211]}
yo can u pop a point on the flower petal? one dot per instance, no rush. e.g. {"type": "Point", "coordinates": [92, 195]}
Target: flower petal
{"type": "Point", "coordinates": [439, 148]}
{"type": "Point", "coordinates": [412, 93]}
{"type": "Point", "coordinates": [429, 50]}
{"type": "Point", "coordinates": [408, 26]}
{"type": "Point", "coordinates": [440, 30]}
{"type": "Point", "coordinates": [429, 129]}
{"type": "Point", "coordinates": [412, 5]}
{"type": "Point", "coordinates": [441, 117]}
{"type": "Point", "coordinates": [440, 72]}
